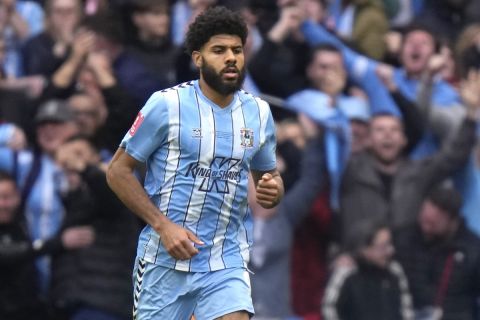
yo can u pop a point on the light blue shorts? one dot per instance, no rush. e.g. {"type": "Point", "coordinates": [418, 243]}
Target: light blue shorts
{"type": "Point", "coordinates": [166, 294]}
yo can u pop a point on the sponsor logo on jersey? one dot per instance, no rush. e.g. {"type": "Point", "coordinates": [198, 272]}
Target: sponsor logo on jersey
{"type": "Point", "coordinates": [216, 177]}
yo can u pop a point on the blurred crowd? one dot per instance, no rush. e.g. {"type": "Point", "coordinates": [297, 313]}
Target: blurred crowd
{"type": "Point", "coordinates": [377, 104]}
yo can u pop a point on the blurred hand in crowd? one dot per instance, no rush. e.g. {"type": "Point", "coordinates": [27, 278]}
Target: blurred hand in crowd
{"type": "Point", "coordinates": [74, 157]}
{"type": "Point", "coordinates": [77, 237]}
{"type": "Point", "coordinates": [309, 127]}
{"type": "Point", "coordinates": [290, 19]}
{"type": "Point", "coordinates": [385, 73]}
{"type": "Point", "coordinates": [393, 41]}
{"type": "Point", "coordinates": [18, 141]}
{"type": "Point", "coordinates": [83, 43]}
{"type": "Point", "coordinates": [10, 17]}
{"type": "Point", "coordinates": [438, 62]}
{"type": "Point", "coordinates": [101, 66]}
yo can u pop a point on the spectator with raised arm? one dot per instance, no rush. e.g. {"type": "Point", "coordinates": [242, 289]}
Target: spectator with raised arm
{"type": "Point", "coordinates": [381, 184]}
{"type": "Point", "coordinates": [419, 44]}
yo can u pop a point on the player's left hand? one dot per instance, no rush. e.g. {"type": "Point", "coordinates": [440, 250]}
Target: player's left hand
{"type": "Point", "coordinates": [267, 191]}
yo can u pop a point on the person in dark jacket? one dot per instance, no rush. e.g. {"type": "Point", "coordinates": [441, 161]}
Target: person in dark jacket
{"type": "Point", "coordinates": [274, 230]}
{"type": "Point", "coordinates": [441, 257]}
{"type": "Point", "coordinates": [19, 292]}
{"type": "Point", "coordinates": [94, 283]}
{"type": "Point", "coordinates": [372, 286]}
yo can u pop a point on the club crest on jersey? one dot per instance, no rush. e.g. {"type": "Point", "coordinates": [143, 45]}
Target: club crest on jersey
{"type": "Point", "coordinates": [246, 137]}
{"type": "Point", "coordinates": [136, 124]}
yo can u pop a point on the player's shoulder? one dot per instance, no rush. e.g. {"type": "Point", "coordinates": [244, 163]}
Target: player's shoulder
{"type": "Point", "coordinates": [189, 85]}
{"type": "Point", "coordinates": [164, 96]}
{"type": "Point", "coordinates": [249, 99]}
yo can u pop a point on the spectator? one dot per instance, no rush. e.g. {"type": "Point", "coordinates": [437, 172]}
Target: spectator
{"type": "Point", "coordinates": [273, 232]}
{"type": "Point", "coordinates": [44, 53]}
{"type": "Point", "coordinates": [19, 20]}
{"type": "Point", "coordinates": [131, 74]}
{"type": "Point", "coordinates": [333, 108]}
{"type": "Point", "coordinates": [419, 45]}
{"type": "Point", "coordinates": [374, 286]}
{"type": "Point", "coordinates": [281, 56]}
{"type": "Point", "coordinates": [396, 186]}
{"type": "Point", "coordinates": [19, 294]}
{"type": "Point", "coordinates": [151, 43]}
{"type": "Point", "coordinates": [441, 258]}
{"type": "Point", "coordinates": [42, 182]}
{"type": "Point", "coordinates": [94, 283]}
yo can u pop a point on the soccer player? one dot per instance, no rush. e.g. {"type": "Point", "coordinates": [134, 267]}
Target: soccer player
{"type": "Point", "coordinates": [199, 141]}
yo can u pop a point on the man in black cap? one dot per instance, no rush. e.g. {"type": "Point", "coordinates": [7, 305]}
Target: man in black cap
{"type": "Point", "coordinates": [441, 258]}
{"type": "Point", "coordinates": [40, 180]}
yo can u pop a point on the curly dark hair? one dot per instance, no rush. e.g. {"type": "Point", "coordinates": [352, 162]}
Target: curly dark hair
{"type": "Point", "coordinates": [214, 21]}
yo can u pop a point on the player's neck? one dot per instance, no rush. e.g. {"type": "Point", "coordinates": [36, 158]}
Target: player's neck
{"type": "Point", "coordinates": [219, 99]}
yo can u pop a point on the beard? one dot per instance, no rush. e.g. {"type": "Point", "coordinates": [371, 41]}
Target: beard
{"type": "Point", "coordinates": [216, 82]}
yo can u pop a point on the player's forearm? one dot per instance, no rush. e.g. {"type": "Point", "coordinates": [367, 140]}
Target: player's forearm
{"type": "Point", "coordinates": [127, 188]}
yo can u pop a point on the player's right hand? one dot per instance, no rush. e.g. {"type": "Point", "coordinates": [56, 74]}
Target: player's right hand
{"type": "Point", "coordinates": [178, 241]}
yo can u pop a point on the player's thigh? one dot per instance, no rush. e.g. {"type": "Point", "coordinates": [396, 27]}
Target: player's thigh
{"type": "Point", "coordinates": [225, 293]}
{"type": "Point", "coordinates": [160, 293]}
{"type": "Point", "coordinates": [239, 315]}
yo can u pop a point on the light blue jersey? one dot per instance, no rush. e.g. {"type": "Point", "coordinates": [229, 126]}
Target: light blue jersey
{"type": "Point", "coordinates": [198, 157]}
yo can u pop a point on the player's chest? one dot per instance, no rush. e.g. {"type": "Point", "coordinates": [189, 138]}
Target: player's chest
{"type": "Point", "coordinates": [219, 135]}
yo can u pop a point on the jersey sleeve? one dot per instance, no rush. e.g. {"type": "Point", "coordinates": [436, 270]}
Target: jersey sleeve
{"type": "Point", "coordinates": [149, 130]}
{"type": "Point", "coordinates": [265, 159]}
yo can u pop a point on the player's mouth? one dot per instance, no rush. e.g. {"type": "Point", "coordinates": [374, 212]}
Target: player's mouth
{"type": "Point", "coordinates": [230, 72]}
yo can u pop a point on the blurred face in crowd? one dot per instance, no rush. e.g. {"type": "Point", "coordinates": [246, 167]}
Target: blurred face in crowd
{"type": "Point", "coordinates": [152, 24]}
{"type": "Point", "coordinates": [418, 47]}
{"type": "Point", "coordinates": [381, 250]}
{"type": "Point", "coordinates": [360, 138]}
{"type": "Point", "coordinates": [387, 138]}
{"type": "Point", "coordinates": [326, 72]}
{"type": "Point", "coordinates": [64, 15]}
{"type": "Point", "coordinates": [222, 63]}
{"type": "Point", "coordinates": [52, 134]}
{"type": "Point", "coordinates": [87, 114]}
{"type": "Point", "coordinates": [9, 200]}
{"type": "Point", "coordinates": [434, 222]}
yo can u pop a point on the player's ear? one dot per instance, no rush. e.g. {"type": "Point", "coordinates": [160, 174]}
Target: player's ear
{"type": "Point", "coordinates": [197, 59]}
